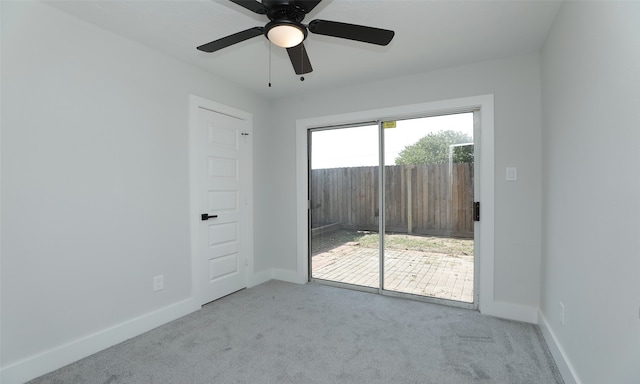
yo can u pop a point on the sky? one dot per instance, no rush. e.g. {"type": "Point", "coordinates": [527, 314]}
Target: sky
{"type": "Point", "coordinates": [358, 146]}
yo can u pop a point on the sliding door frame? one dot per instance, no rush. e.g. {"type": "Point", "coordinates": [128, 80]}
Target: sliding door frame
{"type": "Point", "coordinates": [484, 268]}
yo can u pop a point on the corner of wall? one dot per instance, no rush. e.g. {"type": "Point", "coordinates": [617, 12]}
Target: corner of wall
{"type": "Point", "coordinates": [287, 275]}
{"type": "Point", "coordinates": [559, 356]}
{"type": "Point", "coordinates": [510, 311]}
{"type": "Point", "coordinates": [276, 274]}
{"type": "Point", "coordinates": [258, 278]}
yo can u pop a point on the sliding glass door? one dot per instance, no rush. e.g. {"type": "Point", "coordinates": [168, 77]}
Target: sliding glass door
{"type": "Point", "coordinates": [343, 194]}
{"type": "Point", "coordinates": [428, 223]}
{"type": "Point", "coordinates": [426, 191]}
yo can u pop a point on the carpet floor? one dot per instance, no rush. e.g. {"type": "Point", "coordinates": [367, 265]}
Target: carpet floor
{"type": "Point", "coordinates": [286, 333]}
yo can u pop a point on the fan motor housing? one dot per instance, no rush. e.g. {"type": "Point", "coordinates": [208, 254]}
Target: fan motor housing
{"type": "Point", "coordinates": [283, 10]}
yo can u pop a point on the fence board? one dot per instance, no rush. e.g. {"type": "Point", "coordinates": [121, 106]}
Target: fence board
{"type": "Point", "coordinates": [441, 198]}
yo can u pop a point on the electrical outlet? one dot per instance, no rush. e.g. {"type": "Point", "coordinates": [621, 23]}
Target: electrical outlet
{"type": "Point", "coordinates": [512, 174]}
{"type": "Point", "coordinates": [561, 313]}
{"type": "Point", "coordinates": [158, 282]}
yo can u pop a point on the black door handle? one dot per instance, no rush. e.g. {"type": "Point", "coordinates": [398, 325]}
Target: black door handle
{"type": "Point", "coordinates": [206, 216]}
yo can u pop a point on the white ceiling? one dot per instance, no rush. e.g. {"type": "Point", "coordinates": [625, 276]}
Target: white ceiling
{"type": "Point", "coordinates": [429, 35]}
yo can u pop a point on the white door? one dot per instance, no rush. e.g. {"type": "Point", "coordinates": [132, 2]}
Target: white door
{"type": "Point", "coordinates": [221, 154]}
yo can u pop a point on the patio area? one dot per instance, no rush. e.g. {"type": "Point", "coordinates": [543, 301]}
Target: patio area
{"type": "Point", "coordinates": [426, 273]}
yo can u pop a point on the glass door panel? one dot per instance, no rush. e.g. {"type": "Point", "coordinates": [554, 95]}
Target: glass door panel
{"type": "Point", "coordinates": [344, 214]}
{"type": "Point", "coordinates": [428, 183]}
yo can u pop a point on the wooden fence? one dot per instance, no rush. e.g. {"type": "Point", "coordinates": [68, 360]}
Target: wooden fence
{"type": "Point", "coordinates": [429, 199]}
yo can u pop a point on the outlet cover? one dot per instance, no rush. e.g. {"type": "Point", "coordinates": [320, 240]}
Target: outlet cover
{"type": "Point", "coordinates": [158, 283]}
{"type": "Point", "coordinates": [512, 174]}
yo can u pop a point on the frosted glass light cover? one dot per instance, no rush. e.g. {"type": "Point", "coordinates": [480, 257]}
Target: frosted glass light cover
{"type": "Point", "coordinates": [285, 36]}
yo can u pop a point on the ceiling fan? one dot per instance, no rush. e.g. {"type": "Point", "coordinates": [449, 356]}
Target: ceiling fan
{"type": "Point", "coordinates": [285, 29]}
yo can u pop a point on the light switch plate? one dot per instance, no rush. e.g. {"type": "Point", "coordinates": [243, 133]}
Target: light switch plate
{"type": "Point", "coordinates": [512, 173]}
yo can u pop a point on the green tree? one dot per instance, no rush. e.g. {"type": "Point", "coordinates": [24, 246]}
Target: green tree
{"type": "Point", "coordinates": [434, 149]}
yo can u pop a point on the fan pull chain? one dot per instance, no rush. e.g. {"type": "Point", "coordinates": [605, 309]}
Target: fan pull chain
{"type": "Point", "coordinates": [269, 64]}
{"type": "Point", "coordinates": [302, 62]}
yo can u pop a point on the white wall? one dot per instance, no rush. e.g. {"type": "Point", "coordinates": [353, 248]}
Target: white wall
{"type": "Point", "coordinates": [591, 133]}
{"type": "Point", "coordinates": [95, 198]}
{"type": "Point", "coordinates": [515, 83]}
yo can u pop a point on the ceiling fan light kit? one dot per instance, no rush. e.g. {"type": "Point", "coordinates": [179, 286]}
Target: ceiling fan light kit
{"type": "Point", "coordinates": [285, 33]}
{"type": "Point", "coordinates": [285, 29]}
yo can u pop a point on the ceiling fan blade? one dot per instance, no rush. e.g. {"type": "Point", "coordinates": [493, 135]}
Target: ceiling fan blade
{"type": "Point", "coordinates": [251, 5]}
{"type": "Point", "coordinates": [231, 39]}
{"type": "Point", "coordinates": [299, 59]}
{"type": "Point", "coordinates": [351, 31]}
{"type": "Point", "coordinates": [307, 5]}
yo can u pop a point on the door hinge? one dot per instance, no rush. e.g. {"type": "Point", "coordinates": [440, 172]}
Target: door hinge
{"type": "Point", "coordinates": [476, 211]}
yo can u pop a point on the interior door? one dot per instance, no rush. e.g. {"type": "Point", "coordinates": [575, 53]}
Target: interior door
{"type": "Point", "coordinates": [221, 258]}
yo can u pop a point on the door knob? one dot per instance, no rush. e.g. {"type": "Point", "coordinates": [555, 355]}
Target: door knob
{"type": "Point", "coordinates": [206, 216]}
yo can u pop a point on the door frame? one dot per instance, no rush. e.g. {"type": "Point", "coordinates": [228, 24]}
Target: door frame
{"type": "Point", "coordinates": [484, 229]}
{"type": "Point", "coordinates": [246, 193]}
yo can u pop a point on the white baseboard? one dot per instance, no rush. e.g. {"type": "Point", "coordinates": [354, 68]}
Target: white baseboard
{"type": "Point", "coordinates": [274, 274]}
{"type": "Point", "coordinates": [260, 277]}
{"type": "Point", "coordinates": [510, 311]}
{"type": "Point", "coordinates": [286, 275]}
{"type": "Point", "coordinates": [564, 365]}
{"type": "Point", "coordinates": [47, 361]}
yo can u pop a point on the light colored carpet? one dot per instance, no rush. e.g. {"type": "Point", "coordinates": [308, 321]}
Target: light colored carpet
{"type": "Point", "coordinates": [285, 333]}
